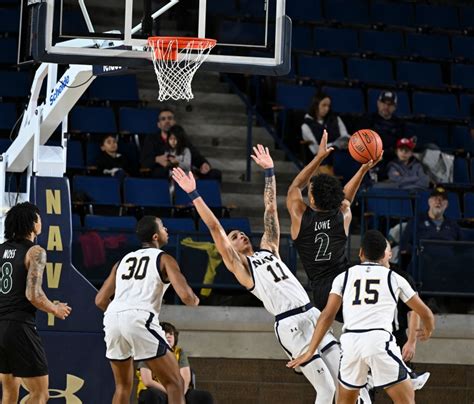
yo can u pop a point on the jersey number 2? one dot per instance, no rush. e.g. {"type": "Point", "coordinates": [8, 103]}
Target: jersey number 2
{"type": "Point", "coordinates": [6, 280]}
{"type": "Point", "coordinates": [372, 294]}
{"type": "Point", "coordinates": [137, 268]}
{"type": "Point", "coordinates": [323, 240]}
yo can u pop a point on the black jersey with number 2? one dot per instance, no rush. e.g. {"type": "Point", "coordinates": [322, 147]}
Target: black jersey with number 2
{"type": "Point", "coordinates": [13, 302]}
{"type": "Point", "coordinates": [321, 244]}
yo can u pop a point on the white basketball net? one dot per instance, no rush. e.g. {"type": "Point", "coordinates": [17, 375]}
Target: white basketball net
{"type": "Point", "coordinates": [175, 68]}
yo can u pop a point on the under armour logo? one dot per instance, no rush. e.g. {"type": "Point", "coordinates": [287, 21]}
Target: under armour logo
{"type": "Point", "coordinates": [294, 329]}
{"type": "Point", "coordinates": [73, 385]}
{"type": "Point", "coordinates": [320, 371]}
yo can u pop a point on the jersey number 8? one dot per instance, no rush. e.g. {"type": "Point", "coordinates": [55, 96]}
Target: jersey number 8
{"type": "Point", "coordinates": [6, 281]}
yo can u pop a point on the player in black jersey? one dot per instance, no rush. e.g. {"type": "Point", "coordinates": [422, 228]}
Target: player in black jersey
{"type": "Point", "coordinates": [320, 229]}
{"type": "Point", "coordinates": [21, 275]}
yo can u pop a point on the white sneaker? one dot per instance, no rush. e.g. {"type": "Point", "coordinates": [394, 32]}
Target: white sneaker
{"type": "Point", "coordinates": [420, 380]}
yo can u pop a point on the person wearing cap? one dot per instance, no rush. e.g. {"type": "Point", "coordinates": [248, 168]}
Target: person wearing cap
{"type": "Point", "coordinates": [405, 171]}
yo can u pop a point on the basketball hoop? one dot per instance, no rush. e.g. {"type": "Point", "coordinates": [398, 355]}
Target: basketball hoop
{"type": "Point", "coordinates": [176, 60]}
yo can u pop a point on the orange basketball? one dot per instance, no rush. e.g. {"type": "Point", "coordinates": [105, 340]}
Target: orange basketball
{"type": "Point", "coordinates": [365, 145]}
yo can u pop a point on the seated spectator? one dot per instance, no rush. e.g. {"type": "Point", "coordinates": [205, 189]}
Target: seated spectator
{"type": "Point", "coordinates": [320, 117]}
{"type": "Point", "coordinates": [154, 151]}
{"type": "Point", "coordinates": [405, 171]}
{"type": "Point", "coordinates": [178, 154]}
{"type": "Point", "coordinates": [151, 391]}
{"type": "Point", "coordinates": [110, 162]}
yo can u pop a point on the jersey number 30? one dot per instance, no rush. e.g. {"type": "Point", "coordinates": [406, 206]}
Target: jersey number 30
{"type": "Point", "coordinates": [370, 291]}
{"type": "Point", "coordinates": [137, 268]}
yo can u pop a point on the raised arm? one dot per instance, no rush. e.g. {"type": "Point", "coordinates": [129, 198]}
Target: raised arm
{"type": "Point", "coordinates": [294, 199]}
{"type": "Point", "coordinates": [170, 269]}
{"type": "Point", "coordinates": [232, 259]}
{"type": "Point", "coordinates": [35, 261]}
{"type": "Point", "coordinates": [102, 299]}
{"type": "Point", "coordinates": [271, 234]}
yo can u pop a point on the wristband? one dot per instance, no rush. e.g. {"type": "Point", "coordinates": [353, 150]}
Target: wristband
{"type": "Point", "coordinates": [194, 195]}
{"type": "Point", "coordinates": [269, 172]}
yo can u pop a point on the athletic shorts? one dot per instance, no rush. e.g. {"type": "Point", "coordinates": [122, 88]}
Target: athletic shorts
{"type": "Point", "coordinates": [374, 350]}
{"type": "Point", "coordinates": [321, 291]}
{"type": "Point", "coordinates": [21, 350]}
{"type": "Point", "coordinates": [134, 334]}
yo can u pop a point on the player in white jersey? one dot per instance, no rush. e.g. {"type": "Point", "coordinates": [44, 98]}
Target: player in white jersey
{"type": "Point", "coordinates": [265, 275]}
{"type": "Point", "coordinates": [369, 293]}
{"type": "Point", "coordinates": [132, 329]}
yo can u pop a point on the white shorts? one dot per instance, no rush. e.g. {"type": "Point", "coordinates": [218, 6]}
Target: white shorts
{"type": "Point", "coordinates": [134, 334]}
{"type": "Point", "coordinates": [375, 350]}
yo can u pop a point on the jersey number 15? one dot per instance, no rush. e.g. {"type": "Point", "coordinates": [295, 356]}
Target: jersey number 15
{"type": "Point", "coordinates": [372, 294]}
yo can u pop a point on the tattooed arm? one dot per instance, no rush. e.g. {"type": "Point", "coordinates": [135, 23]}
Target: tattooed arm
{"type": "Point", "coordinates": [35, 262]}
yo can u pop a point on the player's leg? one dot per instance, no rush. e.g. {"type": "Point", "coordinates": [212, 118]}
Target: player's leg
{"type": "Point", "coordinates": [320, 377]}
{"type": "Point", "coordinates": [10, 388]}
{"type": "Point", "coordinates": [167, 370]}
{"type": "Point", "coordinates": [38, 389]}
{"type": "Point", "coordinates": [347, 396]}
{"type": "Point", "coordinates": [123, 376]}
{"type": "Point", "coordinates": [402, 393]}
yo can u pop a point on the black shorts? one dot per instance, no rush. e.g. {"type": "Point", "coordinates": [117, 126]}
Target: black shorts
{"type": "Point", "coordinates": [21, 351]}
{"type": "Point", "coordinates": [321, 290]}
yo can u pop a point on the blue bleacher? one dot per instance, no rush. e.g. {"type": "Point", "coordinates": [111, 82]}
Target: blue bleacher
{"type": "Point", "coordinates": [346, 100]}
{"type": "Point", "coordinates": [308, 10]}
{"type": "Point", "coordinates": [75, 155]}
{"type": "Point", "coordinates": [9, 20]}
{"type": "Point", "coordinates": [426, 133]}
{"type": "Point", "coordinates": [336, 40]}
{"type": "Point", "coordinates": [92, 120]}
{"type": "Point", "coordinates": [463, 47]}
{"type": "Point", "coordinates": [462, 138]}
{"type": "Point", "coordinates": [428, 46]}
{"type": "Point", "coordinates": [208, 189]}
{"type": "Point", "coordinates": [14, 84]}
{"type": "Point", "coordinates": [76, 221]}
{"type": "Point", "coordinates": [294, 97]}
{"type": "Point", "coordinates": [146, 192]}
{"type": "Point", "coordinates": [178, 225]}
{"type": "Point", "coordinates": [467, 234]}
{"type": "Point", "coordinates": [229, 224]}
{"type": "Point", "coordinates": [98, 222]}
{"type": "Point", "coordinates": [370, 71]}
{"type": "Point", "coordinates": [223, 8]}
{"type": "Point", "coordinates": [138, 120]}
{"type": "Point", "coordinates": [115, 88]}
{"type": "Point", "coordinates": [92, 153]}
{"type": "Point", "coordinates": [419, 74]}
{"type": "Point", "coordinates": [344, 165]}
{"type": "Point", "coordinates": [389, 202]}
{"type": "Point", "coordinates": [388, 43]}
{"type": "Point", "coordinates": [9, 48]}
{"type": "Point", "coordinates": [463, 75]}
{"type": "Point", "coordinates": [466, 105]}
{"type": "Point", "coordinates": [466, 17]}
{"type": "Point", "coordinates": [7, 115]}
{"type": "Point", "coordinates": [435, 105]}
{"type": "Point", "coordinates": [352, 12]}
{"type": "Point", "coordinates": [241, 32]}
{"type": "Point", "coordinates": [461, 171]}
{"type": "Point", "coordinates": [302, 37]}
{"type": "Point", "coordinates": [321, 67]}
{"type": "Point", "coordinates": [100, 190]}
{"type": "Point", "coordinates": [436, 16]}
{"type": "Point", "coordinates": [403, 102]}
{"type": "Point", "coordinates": [469, 205]}
{"type": "Point", "coordinates": [392, 13]}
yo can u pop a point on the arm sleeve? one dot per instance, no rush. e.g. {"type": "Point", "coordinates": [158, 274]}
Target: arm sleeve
{"type": "Point", "coordinates": [307, 134]}
{"type": "Point", "coordinates": [406, 291]}
{"type": "Point", "coordinates": [185, 162]}
{"type": "Point", "coordinates": [338, 285]}
{"type": "Point", "coordinates": [342, 128]}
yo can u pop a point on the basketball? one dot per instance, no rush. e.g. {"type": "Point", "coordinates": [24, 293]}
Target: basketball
{"type": "Point", "coordinates": [365, 145]}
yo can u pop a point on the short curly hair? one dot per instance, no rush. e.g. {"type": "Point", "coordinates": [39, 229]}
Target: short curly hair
{"type": "Point", "coordinates": [327, 192]}
{"type": "Point", "coordinates": [373, 245]}
{"type": "Point", "coordinates": [20, 221]}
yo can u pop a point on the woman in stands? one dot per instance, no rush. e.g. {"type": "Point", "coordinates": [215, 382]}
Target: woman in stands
{"type": "Point", "coordinates": [320, 118]}
{"type": "Point", "coordinates": [178, 154]}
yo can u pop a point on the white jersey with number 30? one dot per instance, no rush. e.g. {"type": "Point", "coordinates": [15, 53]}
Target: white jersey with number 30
{"type": "Point", "coordinates": [274, 284]}
{"type": "Point", "coordinates": [369, 296]}
{"type": "Point", "coordinates": [138, 283]}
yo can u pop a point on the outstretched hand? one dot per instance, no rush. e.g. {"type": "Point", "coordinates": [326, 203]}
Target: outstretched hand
{"type": "Point", "coordinates": [262, 157]}
{"type": "Point", "coordinates": [371, 163]}
{"type": "Point", "coordinates": [185, 181]}
{"type": "Point", "coordinates": [324, 150]}
{"type": "Point", "coordinates": [299, 360]}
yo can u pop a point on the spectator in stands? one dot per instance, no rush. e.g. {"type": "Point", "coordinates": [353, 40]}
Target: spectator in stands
{"type": "Point", "coordinates": [178, 154]}
{"type": "Point", "coordinates": [405, 171]}
{"type": "Point", "coordinates": [319, 118]}
{"type": "Point", "coordinates": [110, 162]}
{"type": "Point", "coordinates": [151, 391]}
{"type": "Point", "coordinates": [154, 157]}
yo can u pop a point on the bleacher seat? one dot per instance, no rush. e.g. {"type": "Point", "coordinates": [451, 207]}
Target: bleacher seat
{"type": "Point", "coordinates": [425, 133]}
{"type": "Point", "coordinates": [469, 205]}
{"type": "Point", "coordinates": [229, 224]}
{"type": "Point", "coordinates": [294, 97]}
{"type": "Point", "coordinates": [466, 105]}
{"type": "Point", "coordinates": [76, 221]}
{"type": "Point", "coordinates": [344, 165]}
{"type": "Point", "coordinates": [308, 10]}
{"type": "Point", "coordinates": [178, 225]}
{"type": "Point", "coordinates": [75, 155]}
{"type": "Point", "coordinates": [93, 120]}
{"type": "Point", "coordinates": [454, 208]}
{"type": "Point", "coordinates": [241, 32]}
{"type": "Point", "coordinates": [138, 120]}
{"type": "Point", "coordinates": [419, 74]}
{"type": "Point", "coordinates": [463, 75]}
{"type": "Point", "coordinates": [388, 202]}
{"type": "Point", "coordinates": [14, 84]}
{"type": "Point", "coordinates": [436, 16]}
{"type": "Point", "coordinates": [114, 88]}
{"type": "Point", "coordinates": [392, 13]}
{"type": "Point", "coordinates": [403, 102]}
{"type": "Point", "coordinates": [9, 20]}
{"type": "Point", "coordinates": [100, 190]}
{"type": "Point", "coordinates": [370, 71]}
{"type": "Point", "coordinates": [352, 12]}
{"type": "Point", "coordinates": [463, 47]}
{"type": "Point", "coordinates": [389, 43]}
{"type": "Point", "coordinates": [208, 189]}
{"type": "Point", "coordinates": [435, 105]}
{"type": "Point", "coordinates": [346, 100]}
{"type": "Point", "coordinates": [9, 51]}
{"type": "Point", "coordinates": [147, 192]}
{"type": "Point", "coordinates": [466, 16]}
{"type": "Point", "coordinates": [461, 171]}
{"type": "Point", "coordinates": [92, 153]}
{"type": "Point", "coordinates": [7, 115]}
{"type": "Point", "coordinates": [466, 233]}
{"type": "Point", "coordinates": [336, 40]}
{"type": "Point", "coordinates": [321, 67]}
{"type": "Point", "coordinates": [302, 37]}
{"type": "Point", "coordinates": [99, 222]}
{"type": "Point", "coordinates": [428, 46]}
{"type": "Point", "coordinates": [461, 138]}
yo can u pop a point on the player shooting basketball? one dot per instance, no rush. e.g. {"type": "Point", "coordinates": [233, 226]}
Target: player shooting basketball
{"type": "Point", "coordinates": [266, 276]}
